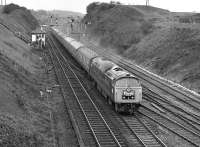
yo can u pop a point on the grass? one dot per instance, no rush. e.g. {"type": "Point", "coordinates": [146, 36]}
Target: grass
{"type": "Point", "coordinates": [11, 136]}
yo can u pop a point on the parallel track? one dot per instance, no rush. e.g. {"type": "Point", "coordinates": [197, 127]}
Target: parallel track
{"type": "Point", "coordinates": [172, 108]}
{"type": "Point", "coordinates": [177, 128]}
{"type": "Point", "coordinates": [191, 100]}
{"type": "Point", "coordinates": [181, 99]}
{"type": "Point", "coordinates": [99, 128]}
{"type": "Point", "coordinates": [142, 132]}
{"type": "Point", "coordinates": [188, 126]}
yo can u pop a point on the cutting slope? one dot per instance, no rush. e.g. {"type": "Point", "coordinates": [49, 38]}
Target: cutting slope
{"type": "Point", "coordinates": [171, 52]}
{"type": "Point", "coordinates": [164, 42]}
{"type": "Point", "coordinates": [18, 18]}
{"type": "Point", "coordinates": [22, 111]}
{"type": "Point", "coordinates": [116, 25]}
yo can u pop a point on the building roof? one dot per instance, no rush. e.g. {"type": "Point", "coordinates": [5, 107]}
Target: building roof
{"type": "Point", "coordinates": [38, 31]}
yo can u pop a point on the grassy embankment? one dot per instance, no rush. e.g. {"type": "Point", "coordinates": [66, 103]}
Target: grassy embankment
{"type": "Point", "coordinates": [23, 116]}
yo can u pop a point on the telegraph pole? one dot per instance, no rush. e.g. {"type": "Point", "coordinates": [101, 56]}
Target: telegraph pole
{"type": "Point", "coordinates": [147, 2]}
{"type": "Point", "coordinates": [1, 2]}
{"type": "Point", "coordinates": [5, 2]}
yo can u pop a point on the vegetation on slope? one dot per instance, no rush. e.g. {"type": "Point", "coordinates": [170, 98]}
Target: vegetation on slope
{"type": "Point", "coordinates": [117, 25]}
{"type": "Point", "coordinates": [24, 117]}
{"type": "Point", "coordinates": [12, 7]}
{"type": "Point", "coordinates": [171, 52]}
{"type": "Point", "coordinates": [20, 16]}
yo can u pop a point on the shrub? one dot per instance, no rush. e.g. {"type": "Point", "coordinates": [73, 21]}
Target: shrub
{"type": "Point", "coordinates": [92, 7]}
{"type": "Point", "coordinates": [10, 8]}
{"type": "Point", "coordinates": [115, 2]}
{"type": "Point", "coordinates": [99, 6]}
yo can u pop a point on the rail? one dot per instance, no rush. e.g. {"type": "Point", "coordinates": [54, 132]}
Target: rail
{"type": "Point", "coordinates": [98, 126]}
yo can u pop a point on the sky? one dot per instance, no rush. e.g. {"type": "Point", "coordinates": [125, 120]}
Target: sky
{"type": "Point", "coordinates": [80, 5]}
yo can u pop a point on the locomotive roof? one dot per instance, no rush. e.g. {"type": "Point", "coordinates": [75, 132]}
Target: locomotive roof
{"type": "Point", "coordinates": [102, 63]}
{"type": "Point", "coordinates": [76, 44]}
{"type": "Point", "coordinates": [69, 39]}
{"type": "Point", "coordinates": [117, 72]}
{"type": "Point", "coordinates": [88, 52]}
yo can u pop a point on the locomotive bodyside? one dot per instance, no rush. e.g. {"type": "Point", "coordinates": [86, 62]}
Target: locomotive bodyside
{"type": "Point", "coordinates": [74, 46]}
{"type": "Point", "coordinates": [98, 68]}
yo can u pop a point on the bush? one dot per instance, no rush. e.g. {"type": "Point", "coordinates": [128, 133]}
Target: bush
{"type": "Point", "coordinates": [11, 7]}
{"type": "Point", "coordinates": [99, 7]}
{"type": "Point", "coordinates": [115, 2]}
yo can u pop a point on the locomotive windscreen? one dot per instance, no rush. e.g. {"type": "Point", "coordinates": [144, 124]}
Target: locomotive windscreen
{"type": "Point", "coordinates": [127, 90]}
{"type": "Point", "coordinates": [128, 82]}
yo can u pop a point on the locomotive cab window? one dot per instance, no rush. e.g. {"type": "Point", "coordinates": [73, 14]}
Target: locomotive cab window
{"type": "Point", "coordinates": [128, 81]}
{"type": "Point", "coordinates": [118, 69]}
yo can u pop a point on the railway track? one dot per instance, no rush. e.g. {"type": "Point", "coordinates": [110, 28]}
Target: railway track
{"type": "Point", "coordinates": [176, 97]}
{"type": "Point", "coordinates": [185, 123]}
{"type": "Point", "coordinates": [191, 100]}
{"type": "Point", "coordinates": [86, 114]}
{"type": "Point", "coordinates": [169, 107]}
{"type": "Point", "coordinates": [143, 135]}
{"type": "Point", "coordinates": [187, 101]}
{"type": "Point", "coordinates": [177, 128]}
{"type": "Point", "coordinates": [139, 131]}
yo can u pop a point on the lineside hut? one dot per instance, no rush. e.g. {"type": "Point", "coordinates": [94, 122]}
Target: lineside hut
{"type": "Point", "coordinates": [38, 38]}
{"type": "Point", "coordinates": [44, 27]}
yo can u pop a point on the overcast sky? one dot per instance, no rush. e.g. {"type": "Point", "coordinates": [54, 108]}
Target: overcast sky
{"type": "Point", "coordinates": [80, 5]}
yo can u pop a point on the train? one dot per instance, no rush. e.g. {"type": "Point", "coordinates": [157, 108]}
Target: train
{"type": "Point", "coordinates": [119, 87]}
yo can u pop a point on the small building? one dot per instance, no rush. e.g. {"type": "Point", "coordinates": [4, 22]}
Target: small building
{"type": "Point", "coordinates": [38, 37]}
{"type": "Point", "coordinates": [43, 27]}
